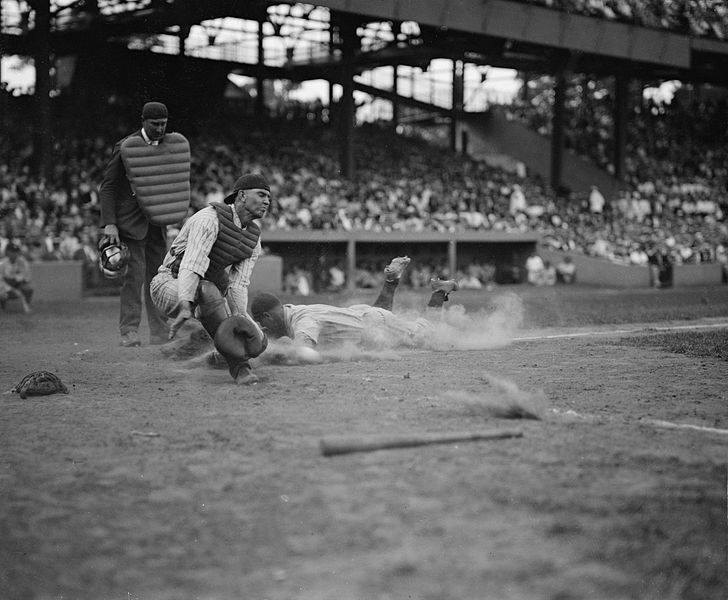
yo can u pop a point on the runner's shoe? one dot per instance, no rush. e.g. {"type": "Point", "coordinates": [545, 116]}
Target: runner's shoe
{"type": "Point", "coordinates": [395, 269]}
{"type": "Point", "coordinates": [444, 285]}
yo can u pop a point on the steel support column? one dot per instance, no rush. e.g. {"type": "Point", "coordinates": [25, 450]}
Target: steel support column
{"type": "Point", "coordinates": [557, 130]}
{"type": "Point", "coordinates": [260, 81]}
{"type": "Point", "coordinates": [458, 86]}
{"type": "Point", "coordinates": [621, 116]}
{"type": "Point", "coordinates": [42, 134]}
{"type": "Point", "coordinates": [349, 44]}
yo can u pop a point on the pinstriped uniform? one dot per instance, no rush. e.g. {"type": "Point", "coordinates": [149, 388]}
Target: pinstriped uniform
{"type": "Point", "coordinates": [325, 325]}
{"type": "Point", "coordinates": [195, 240]}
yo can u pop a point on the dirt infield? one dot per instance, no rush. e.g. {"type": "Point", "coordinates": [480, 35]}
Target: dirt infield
{"type": "Point", "coordinates": [156, 479]}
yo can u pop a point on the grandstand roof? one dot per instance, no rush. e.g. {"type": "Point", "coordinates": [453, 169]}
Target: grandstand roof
{"type": "Point", "coordinates": [502, 33]}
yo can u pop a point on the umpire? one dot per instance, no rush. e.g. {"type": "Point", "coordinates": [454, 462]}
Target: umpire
{"type": "Point", "coordinates": [145, 188]}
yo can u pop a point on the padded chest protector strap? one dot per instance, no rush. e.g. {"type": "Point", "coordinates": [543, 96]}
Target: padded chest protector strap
{"type": "Point", "coordinates": [159, 176]}
{"type": "Point", "coordinates": [233, 244]}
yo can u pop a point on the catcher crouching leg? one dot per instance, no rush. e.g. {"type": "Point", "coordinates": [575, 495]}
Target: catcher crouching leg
{"type": "Point", "coordinates": [238, 339]}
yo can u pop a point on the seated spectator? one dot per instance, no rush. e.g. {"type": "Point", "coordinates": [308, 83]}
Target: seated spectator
{"type": "Point", "coordinates": [534, 269]}
{"type": "Point", "coordinates": [337, 278]}
{"type": "Point", "coordinates": [473, 277]}
{"type": "Point", "coordinates": [290, 282]}
{"type": "Point", "coordinates": [660, 263]}
{"type": "Point", "coordinates": [721, 256]}
{"type": "Point", "coordinates": [548, 275]}
{"type": "Point", "coordinates": [68, 245]}
{"type": "Point", "coordinates": [88, 254]}
{"type": "Point", "coordinates": [15, 278]}
{"type": "Point", "coordinates": [487, 276]}
{"type": "Point", "coordinates": [365, 277]}
{"type": "Point", "coordinates": [469, 281]}
{"type": "Point", "coordinates": [302, 282]}
{"type": "Point", "coordinates": [512, 273]}
{"type": "Point", "coordinates": [596, 201]}
{"type": "Point", "coordinates": [638, 256]}
{"type": "Point", "coordinates": [517, 200]}
{"type": "Point", "coordinates": [566, 270]}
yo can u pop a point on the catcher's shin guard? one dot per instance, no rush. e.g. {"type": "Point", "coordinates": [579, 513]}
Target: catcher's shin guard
{"type": "Point", "coordinates": [212, 307]}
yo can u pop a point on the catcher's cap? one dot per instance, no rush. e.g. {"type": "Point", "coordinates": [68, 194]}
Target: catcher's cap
{"type": "Point", "coordinates": [249, 181]}
{"type": "Point", "coordinates": [113, 259]}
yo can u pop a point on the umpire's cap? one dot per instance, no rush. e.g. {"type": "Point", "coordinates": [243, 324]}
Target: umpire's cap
{"type": "Point", "coordinates": [155, 110]}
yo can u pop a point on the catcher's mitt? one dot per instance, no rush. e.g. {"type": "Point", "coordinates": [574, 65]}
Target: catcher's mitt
{"type": "Point", "coordinates": [40, 383]}
{"type": "Point", "coordinates": [239, 337]}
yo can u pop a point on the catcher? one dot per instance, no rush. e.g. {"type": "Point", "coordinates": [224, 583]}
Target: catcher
{"type": "Point", "coordinates": [318, 325]}
{"type": "Point", "coordinates": [206, 274]}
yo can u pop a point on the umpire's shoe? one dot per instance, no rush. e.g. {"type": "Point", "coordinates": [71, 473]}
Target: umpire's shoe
{"type": "Point", "coordinates": [130, 339]}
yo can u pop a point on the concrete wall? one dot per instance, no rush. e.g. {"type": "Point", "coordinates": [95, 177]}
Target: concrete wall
{"type": "Point", "coordinates": [595, 271]}
{"type": "Point", "coordinates": [57, 280]}
{"type": "Point", "coordinates": [267, 275]}
{"type": "Point", "coordinates": [684, 275]}
{"type": "Point", "coordinates": [62, 280]}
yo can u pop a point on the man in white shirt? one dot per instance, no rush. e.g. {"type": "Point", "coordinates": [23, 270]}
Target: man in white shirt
{"type": "Point", "coordinates": [596, 201]}
{"type": "Point", "coordinates": [534, 268]}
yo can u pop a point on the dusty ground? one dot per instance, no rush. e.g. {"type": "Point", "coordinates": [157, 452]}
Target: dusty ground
{"type": "Point", "coordinates": [156, 479]}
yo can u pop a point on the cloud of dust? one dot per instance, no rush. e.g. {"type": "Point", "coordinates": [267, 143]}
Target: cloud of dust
{"type": "Point", "coordinates": [498, 398]}
{"type": "Point", "coordinates": [451, 329]}
{"type": "Point", "coordinates": [457, 330]}
{"type": "Point", "coordinates": [282, 353]}
{"type": "Point", "coordinates": [351, 352]}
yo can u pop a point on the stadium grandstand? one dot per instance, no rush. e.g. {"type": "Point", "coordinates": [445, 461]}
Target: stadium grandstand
{"type": "Point", "coordinates": [403, 145]}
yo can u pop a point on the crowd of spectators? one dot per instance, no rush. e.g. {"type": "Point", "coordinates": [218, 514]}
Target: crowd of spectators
{"type": "Point", "coordinates": [701, 18]}
{"type": "Point", "coordinates": [677, 139]}
{"type": "Point", "coordinates": [676, 176]}
{"type": "Point", "coordinates": [401, 184]}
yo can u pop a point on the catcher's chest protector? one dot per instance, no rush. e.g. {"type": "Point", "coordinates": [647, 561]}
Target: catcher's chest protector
{"type": "Point", "coordinates": [159, 176]}
{"type": "Point", "coordinates": [233, 244]}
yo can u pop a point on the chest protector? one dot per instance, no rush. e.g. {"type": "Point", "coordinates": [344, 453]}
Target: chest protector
{"type": "Point", "coordinates": [233, 243]}
{"type": "Point", "coordinates": [159, 176]}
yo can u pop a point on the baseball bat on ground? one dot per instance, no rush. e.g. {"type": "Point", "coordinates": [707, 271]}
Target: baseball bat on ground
{"type": "Point", "coordinates": [368, 443]}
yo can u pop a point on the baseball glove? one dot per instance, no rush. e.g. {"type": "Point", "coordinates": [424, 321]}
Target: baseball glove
{"type": "Point", "coordinates": [239, 337]}
{"type": "Point", "coordinates": [40, 383]}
